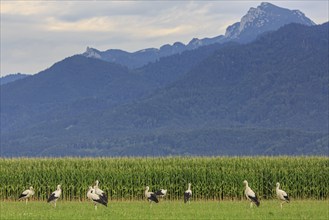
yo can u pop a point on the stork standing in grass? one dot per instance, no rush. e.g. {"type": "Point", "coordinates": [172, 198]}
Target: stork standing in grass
{"type": "Point", "coordinates": [27, 194]}
{"type": "Point", "coordinates": [97, 199]}
{"type": "Point", "coordinates": [161, 192]}
{"type": "Point", "coordinates": [151, 197]}
{"type": "Point", "coordinates": [188, 194]}
{"type": "Point", "coordinates": [251, 196]}
{"type": "Point", "coordinates": [282, 195]}
{"type": "Point", "coordinates": [100, 192]}
{"type": "Point", "coordinates": [55, 195]}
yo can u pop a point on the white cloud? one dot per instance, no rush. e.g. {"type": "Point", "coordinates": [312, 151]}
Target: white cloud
{"type": "Point", "coordinates": [36, 34]}
{"type": "Point", "coordinates": [22, 7]}
{"type": "Point", "coordinates": [99, 24]}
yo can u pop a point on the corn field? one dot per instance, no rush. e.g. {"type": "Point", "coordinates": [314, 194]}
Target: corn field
{"type": "Point", "coordinates": [212, 178]}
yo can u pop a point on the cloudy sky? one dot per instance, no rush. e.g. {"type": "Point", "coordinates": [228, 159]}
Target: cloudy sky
{"type": "Point", "coordinates": [36, 34]}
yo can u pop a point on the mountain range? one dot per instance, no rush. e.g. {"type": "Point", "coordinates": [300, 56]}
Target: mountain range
{"type": "Point", "coordinates": [266, 17]}
{"type": "Point", "coordinates": [267, 96]}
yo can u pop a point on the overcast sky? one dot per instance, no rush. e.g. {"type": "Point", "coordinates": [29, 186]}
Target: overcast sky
{"type": "Point", "coordinates": [36, 34]}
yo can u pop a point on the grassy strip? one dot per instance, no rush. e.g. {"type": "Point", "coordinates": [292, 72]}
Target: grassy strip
{"type": "Point", "coordinates": [269, 209]}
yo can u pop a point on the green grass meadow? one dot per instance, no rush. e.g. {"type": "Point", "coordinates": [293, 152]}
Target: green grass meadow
{"type": "Point", "coordinates": [216, 184]}
{"type": "Point", "coordinates": [269, 209]}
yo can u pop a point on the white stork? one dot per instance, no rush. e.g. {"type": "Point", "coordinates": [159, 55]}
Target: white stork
{"type": "Point", "coordinates": [188, 194]}
{"type": "Point", "coordinates": [27, 194]}
{"type": "Point", "coordinates": [251, 196]}
{"type": "Point", "coordinates": [151, 197]}
{"type": "Point", "coordinates": [97, 199]}
{"type": "Point", "coordinates": [282, 195]}
{"type": "Point", "coordinates": [161, 192]}
{"type": "Point", "coordinates": [55, 195]}
{"type": "Point", "coordinates": [100, 192]}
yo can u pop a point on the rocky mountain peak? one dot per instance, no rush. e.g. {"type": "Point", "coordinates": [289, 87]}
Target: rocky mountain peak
{"type": "Point", "coordinates": [266, 17]}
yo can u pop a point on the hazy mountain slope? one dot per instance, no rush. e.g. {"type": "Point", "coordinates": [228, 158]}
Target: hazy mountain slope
{"type": "Point", "coordinates": [202, 142]}
{"type": "Point", "coordinates": [12, 78]}
{"type": "Point", "coordinates": [76, 84]}
{"type": "Point", "coordinates": [79, 85]}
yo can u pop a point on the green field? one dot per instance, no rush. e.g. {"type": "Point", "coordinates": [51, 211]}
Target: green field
{"type": "Point", "coordinates": [216, 184]}
{"type": "Point", "coordinates": [270, 209]}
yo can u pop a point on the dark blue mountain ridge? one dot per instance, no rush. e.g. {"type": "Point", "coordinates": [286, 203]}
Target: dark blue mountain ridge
{"type": "Point", "coordinates": [267, 97]}
{"type": "Point", "coordinates": [266, 17]}
{"type": "Point", "coordinates": [287, 70]}
{"type": "Point", "coordinates": [75, 85]}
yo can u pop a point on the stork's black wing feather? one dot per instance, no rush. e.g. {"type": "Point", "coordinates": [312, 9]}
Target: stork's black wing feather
{"type": "Point", "coordinates": [255, 200]}
{"type": "Point", "coordinates": [104, 197]}
{"type": "Point", "coordinates": [159, 193]}
{"type": "Point", "coordinates": [187, 196]}
{"type": "Point", "coordinates": [22, 195]}
{"type": "Point", "coordinates": [51, 197]}
{"type": "Point", "coordinates": [101, 201]}
{"type": "Point", "coordinates": [153, 198]}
